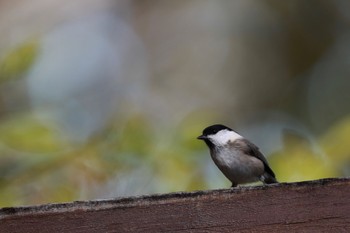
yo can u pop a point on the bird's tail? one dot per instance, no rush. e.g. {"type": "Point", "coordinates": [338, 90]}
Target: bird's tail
{"type": "Point", "coordinates": [268, 179]}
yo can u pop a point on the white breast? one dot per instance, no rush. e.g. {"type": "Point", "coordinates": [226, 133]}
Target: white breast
{"type": "Point", "coordinates": [236, 166]}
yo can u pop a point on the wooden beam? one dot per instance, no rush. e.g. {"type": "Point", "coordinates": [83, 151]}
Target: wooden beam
{"type": "Point", "coordinates": [320, 206]}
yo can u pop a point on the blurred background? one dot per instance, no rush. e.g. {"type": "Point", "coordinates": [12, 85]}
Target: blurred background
{"type": "Point", "coordinates": [101, 99]}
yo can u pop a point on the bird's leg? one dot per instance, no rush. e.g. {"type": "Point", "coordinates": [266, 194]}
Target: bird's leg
{"type": "Point", "coordinates": [233, 185]}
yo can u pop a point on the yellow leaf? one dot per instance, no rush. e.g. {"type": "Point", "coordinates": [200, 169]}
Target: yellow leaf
{"type": "Point", "coordinates": [18, 60]}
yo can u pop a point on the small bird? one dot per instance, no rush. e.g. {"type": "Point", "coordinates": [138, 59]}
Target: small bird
{"type": "Point", "coordinates": [236, 157]}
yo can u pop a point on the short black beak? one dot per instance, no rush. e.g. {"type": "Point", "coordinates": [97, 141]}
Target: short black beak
{"type": "Point", "coordinates": [202, 137]}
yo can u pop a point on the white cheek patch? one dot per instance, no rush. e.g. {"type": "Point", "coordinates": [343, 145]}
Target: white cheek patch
{"type": "Point", "coordinates": [224, 136]}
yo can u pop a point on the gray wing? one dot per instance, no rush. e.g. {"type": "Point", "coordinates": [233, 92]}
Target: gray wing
{"type": "Point", "coordinates": [250, 149]}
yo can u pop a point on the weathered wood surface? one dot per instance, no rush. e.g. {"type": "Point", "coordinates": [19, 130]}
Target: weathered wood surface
{"type": "Point", "coordinates": [312, 206]}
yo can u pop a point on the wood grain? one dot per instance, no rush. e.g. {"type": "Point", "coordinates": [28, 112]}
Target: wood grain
{"type": "Point", "coordinates": [311, 206]}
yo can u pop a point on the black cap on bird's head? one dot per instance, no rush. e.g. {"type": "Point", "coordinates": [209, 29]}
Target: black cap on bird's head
{"type": "Point", "coordinates": [211, 130]}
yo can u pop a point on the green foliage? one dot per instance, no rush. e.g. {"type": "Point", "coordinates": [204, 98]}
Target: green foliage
{"type": "Point", "coordinates": [335, 142]}
{"type": "Point", "coordinates": [134, 137]}
{"type": "Point", "coordinates": [18, 60]}
{"type": "Point", "coordinates": [23, 132]}
{"type": "Point", "coordinates": [37, 166]}
{"type": "Point", "coordinates": [299, 160]}
{"type": "Point", "coordinates": [299, 165]}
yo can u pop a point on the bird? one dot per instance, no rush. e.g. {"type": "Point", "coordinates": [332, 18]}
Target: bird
{"type": "Point", "coordinates": [238, 159]}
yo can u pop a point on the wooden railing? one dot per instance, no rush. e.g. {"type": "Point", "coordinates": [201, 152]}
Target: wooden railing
{"type": "Point", "coordinates": [310, 206]}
